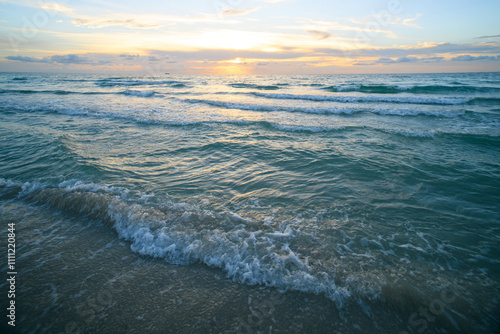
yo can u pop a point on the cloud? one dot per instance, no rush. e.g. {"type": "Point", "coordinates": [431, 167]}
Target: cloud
{"type": "Point", "coordinates": [387, 61]}
{"type": "Point", "coordinates": [214, 55]}
{"type": "Point", "coordinates": [149, 61]}
{"type": "Point", "coordinates": [409, 22]}
{"type": "Point", "coordinates": [475, 58]}
{"type": "Point", "coordinates": [318, 34]}
{"type": "Point", "coordinates": [59, 59]}
{"type": "Point", "coordinates": [28, 59]}
{"type": "Point", "coordinates": [428, 50]}
{"type": "Point", "coordinates": [153, 59]}
{"type": "Point", "coordinates": [158, 21]}
{"type": "Point", "coordinates": [395, 61]}
{"type": "Point", "coordinates": [130, 23]}
{"type": "Point", "coordinates": [140, 21]}
{"type": "Point", "coordinates": [57, 7]}
{"type": "Point", "coordinates": [358, 28]}
{"type": "Point", "coordinates": [203, 59]}
{"type": "Point", "coordinates": [273, 1]}
{"type": "Point", "coordinates": [410, 60]}
{"type": "Point", "coordinates": [431, 59]}
{"type": "Point", "coordinates": [239, 11]}
{"type": "Point", "coordinates": [127, 56]}
{"type": "Point", "coordinates": [493, 36]}
{"type": "Point", "coordinates": [70, 59]}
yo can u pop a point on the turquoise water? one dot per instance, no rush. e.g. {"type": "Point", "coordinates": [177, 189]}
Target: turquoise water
{"type": "Point", "coordinates": [348, 203]}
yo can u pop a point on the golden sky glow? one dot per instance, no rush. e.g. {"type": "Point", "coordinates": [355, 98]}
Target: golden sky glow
{"type": "Point", "coordinates": [252, 36]}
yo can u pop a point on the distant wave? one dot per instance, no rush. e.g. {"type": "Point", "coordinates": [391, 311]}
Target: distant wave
{"type": "Point", "coordinates": [292, 128]}
{"type": "Point", "coordinates": [306, 128]}
{"type": "Point", "coordinates": [353, 99]}
{"type": "Point", "coordinates": [138, 93]}
{"type": "Point", "coordinates": [78, 80]}
{"type": "Point", "coordinates": [331, 110]}
{"type": "Point", "coordinates": [415, 112]}
{"type": "Point", "coordinates": [120, 82]}
{"type": "Point", "coordinates": [252, 107]}
{"type": "Point", "coordinates": [485, 100]}
{"type": "Point", "coordinates": [394, 89]}
{"type": "Point", "coordinates": [65, 92]}
{"type": "Point", "coordinates": [256, 107]}
{"type": "Point", "coordinates": [252, 86]}
{"type": "Point", "coordinates": [144, 119]}
{"type": "Point", "coordinates": [56, 92]}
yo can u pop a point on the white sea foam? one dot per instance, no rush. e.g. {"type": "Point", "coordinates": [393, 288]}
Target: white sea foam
{"type": "Point", "coordinates": [224, 240]}
{"type": "Point", "coordinates": [75, 185]}
{"type": "Point", "coordinates": [417, 112]}
{"type": "Point", "coordinates": [347, 88]}
{"type": "Point", "coordinates": [250, 257]}
{"type": "Point", "coordinates": [8, 183]}
{"type": "Point", "coordinates": [247, 251]}
{"type": "Point", "coordinates": [405, 87]}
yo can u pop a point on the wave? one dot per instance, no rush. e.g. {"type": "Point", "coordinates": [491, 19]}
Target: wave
{"type": "Point", "coordinates": [65, 92]}
{"type": "Point", "coordinates": [354, 99]}
{"type": "Point", "coordinates": [481, 139]}
{"type": "Point", "coordinates": [491, 140]}
{"type": "Point", "coordinates": [287, 127]}
{"type": "Point", "coordinates": [56, 92]}
{"type": "Point", "coordinates": [248, 253]}
{"type": "Point", "coordinates": [138, 93]}
{"type": "Point", "coordinates": [400, 112]}
{"type": "Point", "coordinates": [312, 85]}
{"type": "Point", "coordinates": [305, 128]}
{"type": "Point", "coordinates": [256, 107]}
{"type": "Point", "coordinates": [331, 110]}
{"type": "Point", "coordinates": [485, 101]}
{"type": "Point", "coordinates": [78, 80]}
{"type": "Point", "coordinates": [414, 112]}
{"type": "Point", "coordinates": [141, 118]}
{"type": "Point", "coordinates": [120, 82]}
{"type": "Point", "coordinates": [408, 133]}
{"type": "Point", "coordinates": [394, 89]}
{"type": "Point", "coordinates": [23, 91]}
{"type": "Point", "coordinates": [253, 86]}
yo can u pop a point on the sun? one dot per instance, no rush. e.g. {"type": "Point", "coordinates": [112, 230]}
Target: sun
{"type": "Point", "coordinates": [236, 61]}
{"type": "Point", "coordinates": [236, 66]}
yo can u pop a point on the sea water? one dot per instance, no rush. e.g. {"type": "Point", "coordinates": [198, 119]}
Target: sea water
{"type": "Point", "coordinates": [276, 204]}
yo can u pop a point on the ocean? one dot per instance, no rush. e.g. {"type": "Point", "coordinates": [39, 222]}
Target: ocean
{"type": "Point", "coordinates": [251, 204]}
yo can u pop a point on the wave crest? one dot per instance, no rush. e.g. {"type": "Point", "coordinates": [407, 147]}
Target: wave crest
{"type": "Point", "coordinates": [183, 234]}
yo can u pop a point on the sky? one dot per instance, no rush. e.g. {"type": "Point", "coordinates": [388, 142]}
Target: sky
{"type": "Point", "coordinates": [250, 36]}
